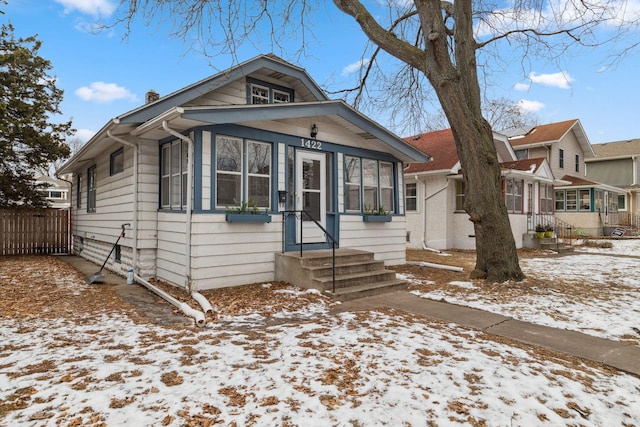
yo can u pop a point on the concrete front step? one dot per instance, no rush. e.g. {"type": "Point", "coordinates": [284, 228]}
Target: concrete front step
{"type": "Point", "coordinates": [356, 279]}
{"type": "Point", "coordinates": [357, 273]}
{"type": "Point", "coordinates": [366, 290]}
{"type": "Point", "coordinates": [346, 268]}
{"type": "Point", "coordinates": [557, 247]}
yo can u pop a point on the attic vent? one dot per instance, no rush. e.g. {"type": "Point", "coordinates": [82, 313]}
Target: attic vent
{"type": "Point", "coordinates": [366, 135]}
{"type": "Point", "coordinates": [151, 96]}
{"type": "Point", "coordinates": [277, 75]}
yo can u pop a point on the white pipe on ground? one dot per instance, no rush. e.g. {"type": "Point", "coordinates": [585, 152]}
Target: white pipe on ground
{"type": "Point", "coordinates": [203, 301]}
{"type": "Point", "coordinates": [432, 265]}
{"type": "Point", "coordinates": [426, 248]}
{"type": "Point", "coordinates": [198, 316]}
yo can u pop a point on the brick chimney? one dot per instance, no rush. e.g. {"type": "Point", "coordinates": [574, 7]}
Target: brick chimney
{"type": "Point", "coordinates": [151, 96]}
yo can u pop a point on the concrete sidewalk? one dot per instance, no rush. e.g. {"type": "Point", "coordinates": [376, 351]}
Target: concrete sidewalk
{"type": "Point", "coordinates": [616, 354]}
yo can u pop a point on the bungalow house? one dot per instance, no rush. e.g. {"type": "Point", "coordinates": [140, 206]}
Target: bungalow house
{"type": "Point", "coordinates": [585, 205]}
{"type": "Point", "coordinates": [618, 164]}
{"type": "Point", "coordinates": [260, 138]}
{"type": "Point", "coordinates": [435, 193]}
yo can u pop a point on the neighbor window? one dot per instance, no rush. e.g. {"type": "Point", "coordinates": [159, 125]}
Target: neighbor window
{"type": "Point", "coordinates": [173, 185]}
{"type": "Point", "coordinates": [577, 163]}
{"type": "Point", "coordinates": [371, 182]}
{"type": "Point", "coordinates": [560, 200]}
{"type": "Point", "coordinates": [91, 189]}
{"type": "Point", "coordinates": [460, 190]}
{"type": "Point", "coordinates": [522, 154]}
{"type": "Point", "coordinates": [260, 92]}
{"type": "Point", "coordinates": [546, 198]}
{"type": "Point", "coordinates": [585, 200]}
{"type": "Point", "coordinates": [513, 195]}
{"type": "Point", "coordinates": [561, 158]}
{"type": "Point", "coordinates": [411, 191]}
{"type": "Point", "coordinates": [572, 200]}
{"type": "Point", "coordinates": [232, 174]}
{"type": "Point", "coordinates": [116, 162]}
{"type": "Point", "coordinates": [622, 202]}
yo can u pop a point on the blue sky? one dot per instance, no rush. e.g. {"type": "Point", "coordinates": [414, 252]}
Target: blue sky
{"type": "Point", "coordinates": [103, 75]}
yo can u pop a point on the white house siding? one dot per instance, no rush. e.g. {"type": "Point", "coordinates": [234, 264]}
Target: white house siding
{"type": "Point", "coordinates": [171, 261]}
{"type": "Point", "coordinates": [95, 233]}
{"type": "Point", "coordinates": [230, 254]}
{"type": "Point", "coordinates": [385, 239]}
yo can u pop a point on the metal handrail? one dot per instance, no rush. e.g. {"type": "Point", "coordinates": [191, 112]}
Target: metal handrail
{"type": "Point", "coordinates": [286, 214]}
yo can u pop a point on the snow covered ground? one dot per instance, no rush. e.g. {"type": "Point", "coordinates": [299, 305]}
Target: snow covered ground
{"type": "Point", "coordinates": [370, 368]}
{"type": "Point", "coordinates": [594, 291]}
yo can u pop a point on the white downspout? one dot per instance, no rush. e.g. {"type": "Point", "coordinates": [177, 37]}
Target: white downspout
{"type": "Point", "coordinates": [198, 316]}
{"type": "Point", "coordinates": [134, 248]}
{"type": "Point", "coordinates": [424, 207]}
{"type": "Point", "coordinates": [194, 293]}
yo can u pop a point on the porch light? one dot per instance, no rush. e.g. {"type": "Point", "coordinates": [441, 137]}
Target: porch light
{"type": "Point", "coordinates": [282, 196]}
{"type": "Point", "coordinates": [314, 130]}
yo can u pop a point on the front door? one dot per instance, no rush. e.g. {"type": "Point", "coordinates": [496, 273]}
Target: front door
{"type": "Point", "coordinates": [311, 195]}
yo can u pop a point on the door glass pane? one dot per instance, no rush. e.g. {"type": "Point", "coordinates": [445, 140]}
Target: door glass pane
{"type": "Point", "coordinates": [311, 174]}
{"type": "Point", "coordinates": [311, 203]}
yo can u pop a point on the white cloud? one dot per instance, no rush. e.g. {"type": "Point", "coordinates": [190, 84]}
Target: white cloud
{"type": "Point", "coordinates": [98, 8]}
{"type": "Point", "coordinates": [352, 68]}
{"type": "Point", "coordinates": [530, 106]}
{"type": "Point", "coordinates": [104, 92]}
{"type": "Point", "coordinates": [522, 86]}
{"type": "Point", "coordinates": [84, 134]}
{"type": "Point", "coordinates": [560, 80]}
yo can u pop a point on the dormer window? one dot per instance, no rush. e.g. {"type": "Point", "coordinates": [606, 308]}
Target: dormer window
{"type": "Point", "coordinates": [260, 92]}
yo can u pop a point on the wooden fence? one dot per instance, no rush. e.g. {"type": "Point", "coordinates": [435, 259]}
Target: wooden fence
{"type": "Point", "coordinates": [25, 232]}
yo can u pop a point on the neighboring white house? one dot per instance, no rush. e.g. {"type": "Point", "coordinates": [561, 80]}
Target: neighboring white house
{"type": "Point", "coordinates": [260, 134]}
{"type": "Point", "coordinates": [56, 191]}
{"type": "Point", "coordinates": [435, 193]}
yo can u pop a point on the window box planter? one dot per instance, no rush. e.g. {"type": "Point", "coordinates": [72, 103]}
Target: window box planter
{"type": "Point", "coordinates": [240, 217]}
{"type": "Point", "coordinates": [376, 218]}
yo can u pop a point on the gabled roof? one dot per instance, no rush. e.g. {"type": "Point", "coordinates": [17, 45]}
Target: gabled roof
{"type": "Point", "coordinates": [442, 148]}
{"type": "Point", "coordinates": [527, 165]}
{"type": "Point", "coordinates": [181, 111]}
{"type": "Point", "coordinates": [271, 65]}
{"type": "Point", "coordinates": [549, 134]}
{"type": "Point", "coordinates": [616, 150]}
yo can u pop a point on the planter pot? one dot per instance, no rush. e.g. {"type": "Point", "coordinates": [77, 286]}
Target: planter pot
{"type": "Point", "coordinates": [548, 234]}
{"type": "Point", "coordinates": [263, 218]}
{"type": "Point", "coordinates": [540, 234]}
{"type": "Point", "coordinates": [376, 218]}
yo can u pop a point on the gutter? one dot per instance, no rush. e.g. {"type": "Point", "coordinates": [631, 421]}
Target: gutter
{"type": "Point", "coordinates": [134, 244]}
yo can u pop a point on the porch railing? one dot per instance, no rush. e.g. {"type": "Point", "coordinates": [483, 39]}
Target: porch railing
{"type": "Point", "coordinates": [562, 230]}
{"type": "Point", "coordinates": [302, 215]}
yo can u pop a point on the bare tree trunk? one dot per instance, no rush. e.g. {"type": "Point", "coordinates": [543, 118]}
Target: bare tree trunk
{"type": "Point", "coordinates": [448, 60]}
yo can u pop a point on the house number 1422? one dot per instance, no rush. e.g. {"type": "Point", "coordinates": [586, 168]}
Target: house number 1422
{"type": "Point", "coordinates": [314, 145]}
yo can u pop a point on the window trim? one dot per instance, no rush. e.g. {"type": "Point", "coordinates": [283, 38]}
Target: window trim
{"type": "Point", "coordinates": [244, 174]}
{"type": "Point", "coordinates": [112, 163]}
{"type": "Point", "coordinates": [413, 197]}
{"type": "Point", "coordinates": [364, 207]}
{"type": "Point", "coordinates": [357, 183]}
{"type": "Point", "coordinates": [271, 89]}
{"type": "Point", "coordinates": [78, 191]}
{"type": "Point", "coordinates": [170, 175]}
{"type": "Point", "coordinates": [460, 195]}
{"type": "Point", "coordinates": [92, 177]}
{"type": "Point", "coordinates": [560, 158]}
{"type": "Point", "coordinates": [577, 163]}
{"type": "Point", "coordinates": [624, 202]}
{"type": "Point", "coordinates": [516, 208]}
